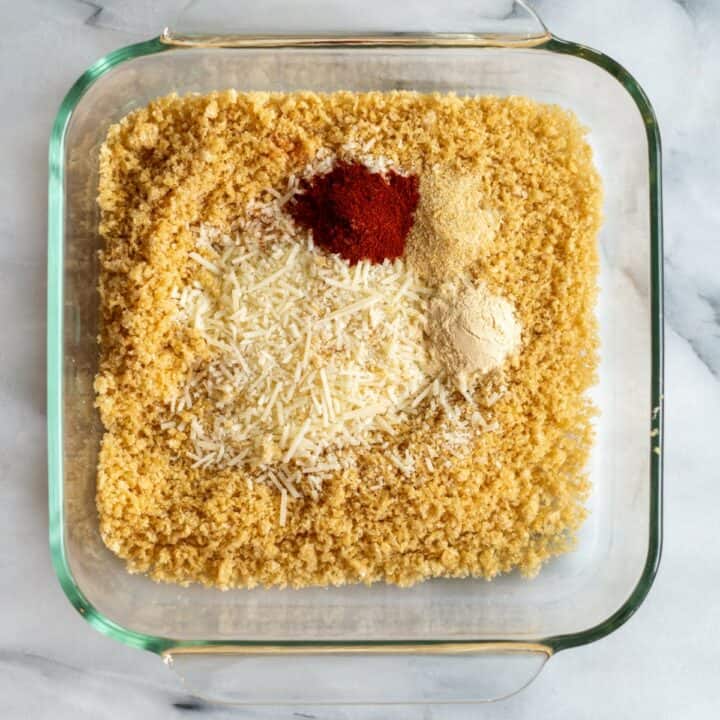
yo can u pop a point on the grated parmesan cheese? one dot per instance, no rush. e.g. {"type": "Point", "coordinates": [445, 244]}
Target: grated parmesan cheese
{"type": "Point", "coordinates": [310, 358]}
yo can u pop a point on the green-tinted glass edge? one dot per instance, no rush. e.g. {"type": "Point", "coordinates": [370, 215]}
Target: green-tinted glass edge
{"type": "Point", "coordinates": [656, 409]}
{"type": "Point", "coordinates": [56, 228]}
{"type": "Point", "coordinates": [55, 364]}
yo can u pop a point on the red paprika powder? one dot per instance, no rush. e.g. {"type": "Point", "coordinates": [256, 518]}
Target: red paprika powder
{"type": "Point", "coordinates": [357, 213]}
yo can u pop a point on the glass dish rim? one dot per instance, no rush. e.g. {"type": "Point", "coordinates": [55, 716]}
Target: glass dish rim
{"type": "Point", "coordinates": [55, 355]}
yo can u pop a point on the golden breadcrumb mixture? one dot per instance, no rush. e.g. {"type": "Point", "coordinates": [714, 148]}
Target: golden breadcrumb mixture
{"type": "Point", "coordinates": [513, 499]}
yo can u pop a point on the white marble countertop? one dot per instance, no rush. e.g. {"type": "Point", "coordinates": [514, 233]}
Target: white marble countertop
{"type": "Point", "coordinates": [664, 663]}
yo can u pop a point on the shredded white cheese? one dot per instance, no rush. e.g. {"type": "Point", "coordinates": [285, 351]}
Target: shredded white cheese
{"type": "Point", "coordinates": [309, 355]}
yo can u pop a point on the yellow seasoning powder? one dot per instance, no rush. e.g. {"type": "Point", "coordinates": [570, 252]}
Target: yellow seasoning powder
{"type": "Point", "coordinates": [451, 228]}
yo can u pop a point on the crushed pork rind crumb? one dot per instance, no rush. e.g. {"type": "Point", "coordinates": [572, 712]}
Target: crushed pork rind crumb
{"type": "Point", "coordinates": [511, 501]}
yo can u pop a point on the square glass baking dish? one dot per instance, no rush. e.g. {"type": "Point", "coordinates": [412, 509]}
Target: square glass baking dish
{"type": "Point", "coordinates": [442, 640]}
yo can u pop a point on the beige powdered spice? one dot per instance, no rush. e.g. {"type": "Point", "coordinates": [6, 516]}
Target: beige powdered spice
{"type": "Point", "coordinates": [451, 228]}
{"type": "Point", "coordinates": [473, 331]}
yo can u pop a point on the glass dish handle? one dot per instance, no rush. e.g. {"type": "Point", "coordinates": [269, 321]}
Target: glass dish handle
{"type": "Point", "coordinates": [228, 23]}
{"type": "Point", "coordinates": [326, 675]}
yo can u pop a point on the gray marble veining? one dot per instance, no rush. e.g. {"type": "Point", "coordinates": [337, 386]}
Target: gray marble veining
{"type": "Point", "coordinates": [662, 664]}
